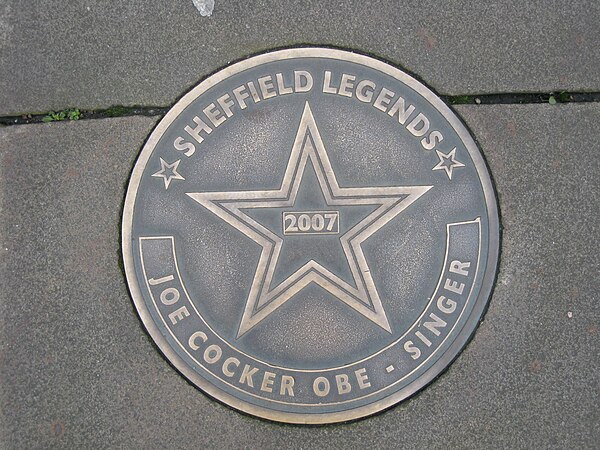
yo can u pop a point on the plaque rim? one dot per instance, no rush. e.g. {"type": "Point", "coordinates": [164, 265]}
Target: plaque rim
{"type": "Point", "coordinates": [487, 282]}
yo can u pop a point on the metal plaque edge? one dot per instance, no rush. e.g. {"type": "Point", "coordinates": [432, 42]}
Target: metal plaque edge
{"type": "Point", "coordinates": [490, 265]}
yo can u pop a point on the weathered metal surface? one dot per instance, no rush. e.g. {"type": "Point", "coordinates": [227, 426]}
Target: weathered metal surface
{"type": "Point", "coordinates": [310, 235]}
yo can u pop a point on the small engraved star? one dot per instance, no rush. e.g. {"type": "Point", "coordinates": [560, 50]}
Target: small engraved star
{"type": "Point", "coordinates": [444, 159]}
{"type": "Point", "coordinates": [168, 172]}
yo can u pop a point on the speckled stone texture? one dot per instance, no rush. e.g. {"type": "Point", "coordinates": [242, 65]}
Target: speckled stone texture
{"type": "Point", "coordinates": [57, 54]}
{"type": "Point", "coordinates": [77, 369]}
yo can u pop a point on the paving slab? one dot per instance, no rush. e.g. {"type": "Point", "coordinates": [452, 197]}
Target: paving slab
{"type": "Point", "coordinates": [77, 369]}
{"type": "Point", "coordinates": [56, 54]}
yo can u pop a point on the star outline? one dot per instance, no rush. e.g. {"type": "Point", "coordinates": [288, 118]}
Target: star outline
{"type": "Point", "coordinates": [168, 178]}
{"type": "Point", "coordinates": [454, 163]}
{"type": "Point", "coordinates": [308, 146]}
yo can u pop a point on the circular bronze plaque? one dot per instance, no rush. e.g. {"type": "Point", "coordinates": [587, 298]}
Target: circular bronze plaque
{"type": "Point", "coordinates": [310, 235]}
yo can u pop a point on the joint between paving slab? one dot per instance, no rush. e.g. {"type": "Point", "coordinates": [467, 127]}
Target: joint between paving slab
{"type": "Point", "coordinates": [73, 114]}
{"type": "Point", "coordinates": [551, 98]}
{"type": "Point", "coordinates": [76, 114]}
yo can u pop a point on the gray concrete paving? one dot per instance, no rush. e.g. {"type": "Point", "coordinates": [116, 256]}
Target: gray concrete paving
{"type": "Point", "coordinates": [57, 54]}
{"type": "Point", "coordinates": [77, 369]}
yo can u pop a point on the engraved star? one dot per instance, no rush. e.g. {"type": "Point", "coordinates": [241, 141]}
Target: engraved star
{"type": "Point", "coordinates": [168, 172]}
{"type": "Point", "coordinates": [265, 297]}
{"type": "Point", "coordinates": [444, 159]}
